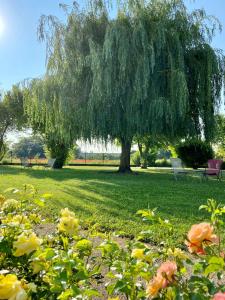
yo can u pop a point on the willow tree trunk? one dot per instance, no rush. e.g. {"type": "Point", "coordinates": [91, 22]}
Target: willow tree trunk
{"type": "Point", "coordinates": [125, 156]}
{"type": "Point", "coordinates": [59, 151]}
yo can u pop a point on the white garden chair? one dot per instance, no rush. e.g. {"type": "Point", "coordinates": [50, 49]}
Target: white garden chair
{"type": "Point", "coordinates": [25, 162]}
{"type": "Point", "coordinates": [50, 163]}
{"type": "Point", "coordinates": [177, 167]}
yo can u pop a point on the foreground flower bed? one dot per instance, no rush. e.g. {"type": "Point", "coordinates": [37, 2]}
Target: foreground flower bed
{"type": "Point", "coordinates": [70, 263]}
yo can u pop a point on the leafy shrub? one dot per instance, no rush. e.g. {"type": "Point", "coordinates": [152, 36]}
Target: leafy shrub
{"type": "Point", "coordinates": [223, 165]}
{"type": "Point", "coordinates": [150, 158]}
{"type": "Point", "coordinates": [194, 153]}
{"type": "Point", "coordinates": [136, 158]}
{"type": "Point", "coordinates": [69, 264]}
{"type": "Point", "coordinates": [162, 163]}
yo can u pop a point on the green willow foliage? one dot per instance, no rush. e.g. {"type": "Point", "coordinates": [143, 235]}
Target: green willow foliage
{"type": "Point", "coordinates": [148, 70]}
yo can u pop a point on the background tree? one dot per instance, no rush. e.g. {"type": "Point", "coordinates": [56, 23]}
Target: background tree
{"type": "Point", "coordinates": [41, 98]}
{"type": "Point", "coordinates": [148, 147]}
{"type": "Point", "coordinates": [219, 138]}
{"type": "Point", "coordinates": [11, 115]}
{"type": "Point", "coordinates": [29, 147]}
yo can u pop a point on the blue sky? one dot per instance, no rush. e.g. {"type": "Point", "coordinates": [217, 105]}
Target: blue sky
{"type": "Point", "coordinates": [22, 56]}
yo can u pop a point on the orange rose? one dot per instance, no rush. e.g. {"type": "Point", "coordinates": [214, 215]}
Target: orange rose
{"type": "Point", "coordinates": [155, 285]}
{"type": "Point", "coordinates": [195, 247]}
{"type": "Point", "coordinates": [198, 234]}
{"type": "Point", "coordinates": [167, 270]}
{"type": "Point", "coordinates": [219, 296]}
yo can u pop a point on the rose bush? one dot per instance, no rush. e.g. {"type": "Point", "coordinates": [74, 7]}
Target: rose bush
{"type": "Point", "coordinates": [73, 263]}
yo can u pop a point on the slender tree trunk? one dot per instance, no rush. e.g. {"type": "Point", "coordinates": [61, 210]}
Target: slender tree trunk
{"type": "Point", "coordinates": [125, 156]}
{"type": "Point", "coordinates": [144, 154]}
{"type": "Point", "coordinates": [144, 160]}
{"type": "Point", "coordinates": [144, 163]}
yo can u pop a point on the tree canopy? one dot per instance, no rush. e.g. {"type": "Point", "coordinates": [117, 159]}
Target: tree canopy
{"type": "Point", "coordinates": [150, 70]}
{"type": "Point", "coordinates": [29, 147]}
{"type": "Point", "coordinates": [11, 115]}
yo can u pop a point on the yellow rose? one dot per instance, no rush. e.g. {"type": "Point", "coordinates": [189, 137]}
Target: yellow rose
{"type": "Point", "coordinates": [177, 253]}
{"type": "Point", "coordinates": [11, 288]}
{"type": "Point", "coordinates": [16, 220]}
{"type": "Point", "coordinates": [10, 205]}
{"type": "Point", "coordinates": [138, 253]}
{"type": "Point", "coordinates": [67, 213]}
{"type": "Point", "coordinates": [26, 243]}
{"type": "Point", "coordinates": [32, 287]}
{"type": "Point", "coordinates": [68, 225]}
{"type": "Point", "coordinates": [37, 266]}
{"type": "Point", "coordinates": [84, 245]}
{"type": "Point", "coordinates": [34, 218]}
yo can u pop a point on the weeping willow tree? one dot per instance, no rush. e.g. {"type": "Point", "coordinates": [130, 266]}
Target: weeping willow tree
{"type": "Point", "coordinates": [150, 70]}
{"type": "Point", "coordinates": [57, 103]}
{"type": "Point", "coordinates": [155, 74]}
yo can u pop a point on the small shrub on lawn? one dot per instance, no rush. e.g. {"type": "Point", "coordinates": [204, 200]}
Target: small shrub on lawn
{"type": "Point", "coordinates": [194, 153]}
{"type": "Point", "coordinates": [136, 158]}
{"type": "Point", "coordinates": [161, 163]}
{"type": "Point", "coordinates": [71, 263]}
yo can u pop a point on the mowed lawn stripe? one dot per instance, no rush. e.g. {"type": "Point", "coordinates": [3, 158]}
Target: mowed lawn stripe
{"type": "Point", "coordinates": [98, 195]}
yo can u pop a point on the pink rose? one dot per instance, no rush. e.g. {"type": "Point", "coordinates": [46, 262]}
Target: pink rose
{"type": "Point", "coordinates": [167, 270]}
{"type": "Point", "coordinates": [164, 276]}
{"type": "Point", "coordinates": [219, 296]}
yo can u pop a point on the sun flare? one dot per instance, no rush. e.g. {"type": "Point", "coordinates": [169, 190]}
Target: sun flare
{"type": "Point", "coordinates": [2, 26]}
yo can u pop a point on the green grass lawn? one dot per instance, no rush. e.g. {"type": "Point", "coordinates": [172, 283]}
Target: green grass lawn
{"type": "Point", "coordinates": [99, 195]}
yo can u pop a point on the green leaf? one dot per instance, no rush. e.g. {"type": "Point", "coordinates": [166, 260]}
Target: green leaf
{"type": "Point", "coordinates": [40, 202]}
{"type": "Point", "coordinates": [122, 286]}
{"type": "Point", "coordinates": [81, 275]}
{"type": "Point", "coordinates": [217, 260]}
{"type": "Point", "coordinates": [216, 264]}
{"type": "Point", "coordinates": [65, 295]}
{"type": "Point", "coordinates": [92, 293]}
{"type": "Point", "coordinates": [5, 247]}
{"type": "Point", "coordinates": [47, 196]}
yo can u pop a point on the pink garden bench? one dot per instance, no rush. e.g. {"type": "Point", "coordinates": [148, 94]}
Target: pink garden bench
{"type": "Point", "coordinates": [214, 168]}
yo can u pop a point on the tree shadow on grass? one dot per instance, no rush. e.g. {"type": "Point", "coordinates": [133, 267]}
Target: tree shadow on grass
{"type": "Point", "coordinates": [96, 190]}
{"type": "Point", "coordinates": [123, 203]}
{"type": "Point", "coordinates": [108, 174]}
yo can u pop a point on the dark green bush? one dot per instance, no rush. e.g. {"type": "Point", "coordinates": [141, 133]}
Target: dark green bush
{"type": "Point", "coordinates": [194, 153]}
{"type": "Point", "coordinates": [223, 165]}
